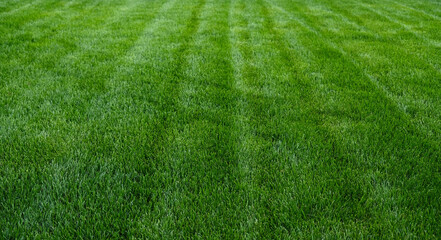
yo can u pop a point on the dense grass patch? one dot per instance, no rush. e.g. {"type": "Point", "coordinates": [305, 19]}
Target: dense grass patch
{"type": "Point", "coordinates": [220, 119]}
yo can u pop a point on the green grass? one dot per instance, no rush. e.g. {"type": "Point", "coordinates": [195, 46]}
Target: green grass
{"type": "Point", "coordinates": [220, 119]}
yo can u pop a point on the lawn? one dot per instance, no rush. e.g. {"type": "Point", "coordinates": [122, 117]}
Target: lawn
{"type": "Point", "coordinates": [220, 119]}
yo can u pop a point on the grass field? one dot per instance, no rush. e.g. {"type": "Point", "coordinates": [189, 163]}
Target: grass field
{"type": "Point", "coordinates": [220, 119]}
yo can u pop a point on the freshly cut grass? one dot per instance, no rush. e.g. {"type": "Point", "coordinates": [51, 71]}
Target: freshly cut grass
{"type": "Point", "coordinates": [224, 119]}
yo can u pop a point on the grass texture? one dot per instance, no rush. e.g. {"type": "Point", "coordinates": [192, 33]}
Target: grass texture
{"type": "Point", "coordinates": [220, 119]}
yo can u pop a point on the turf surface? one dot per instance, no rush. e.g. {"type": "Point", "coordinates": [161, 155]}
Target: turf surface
{"type": "Point", "coordinates": [223, 119]}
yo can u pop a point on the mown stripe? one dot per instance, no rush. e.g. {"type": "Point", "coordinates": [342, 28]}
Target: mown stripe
{"type": "Point", "coordinates": [200, 199]}
{"type": "Point", "coordinates": [172, 75]}
{"type": "Point", "coordinates": [280, 143]}
{"type": "Point", "coordinates": [327, 170]}
{"type": "Point", "coordinates": [205, 189]}
{"type": "Point", "coordinates": [244, 72]}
